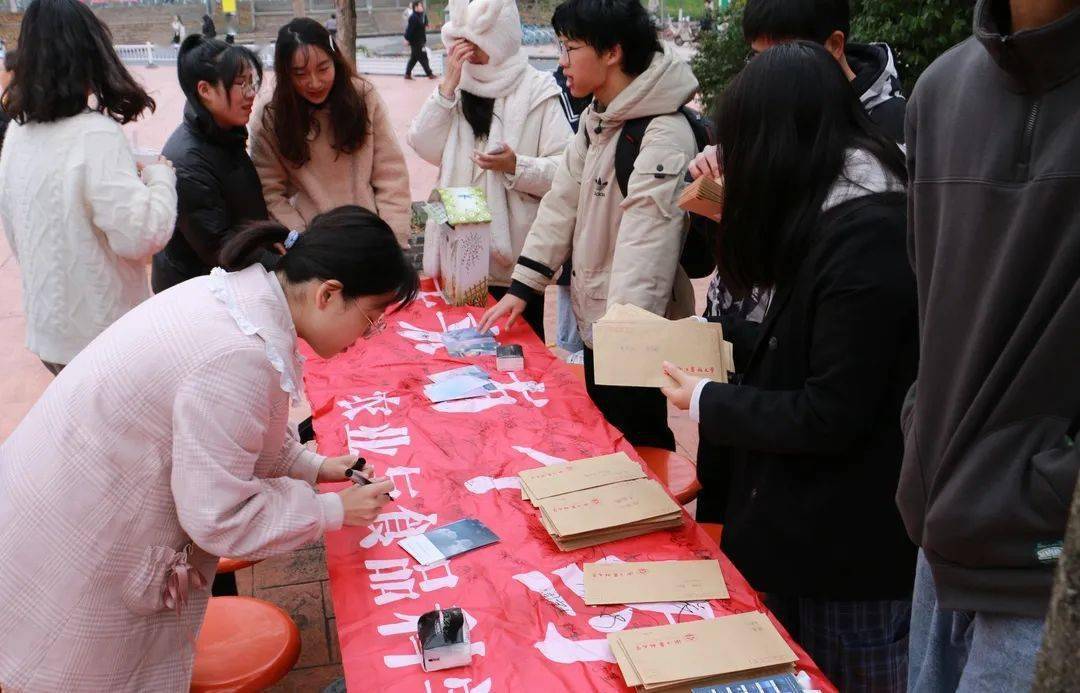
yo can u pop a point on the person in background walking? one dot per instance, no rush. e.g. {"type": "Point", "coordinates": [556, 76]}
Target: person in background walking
{"type": "Point", "coordinates": [208, 28]}
{"type": "Point", "coordinates": [331, 26]}
{"type": "Point", "coordinates": [416, 37]}
{"type": "Point", "coordinates": [497, 122]}
{"type": "Point", "coordinates": [80, 216]}
{"type": "Point", "coordinates": [179, 31]}
{"type": "Point", "coordinates": [324, 138]}
{"type": "Point", "coordinates": [216, 183]}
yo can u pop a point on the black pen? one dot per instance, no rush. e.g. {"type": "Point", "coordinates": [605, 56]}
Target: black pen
{"type": "Point", "coordinates": [353, 473]}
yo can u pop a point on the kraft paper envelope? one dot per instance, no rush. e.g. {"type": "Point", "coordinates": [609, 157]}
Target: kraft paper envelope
{"type": "Point", "coordinates": [704, 197]}
{"type": "Point", "coordinates": [654, 581]}
{"type": "Point", "coordinates": [663, 655]}
{"type": "Point", "coordinates": [607, 507]}
{"type": "Point", "coordinates": [591, 472]}
{"type": "Point", "coordinates": [632, 353]}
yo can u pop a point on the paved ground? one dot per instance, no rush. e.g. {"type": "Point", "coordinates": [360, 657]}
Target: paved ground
{"type": "Point", "coordinates": [298, 581]}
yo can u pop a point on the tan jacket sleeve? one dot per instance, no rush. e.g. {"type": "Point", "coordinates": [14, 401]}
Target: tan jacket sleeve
{"type": "Point", "coordinates": [389, 175]}
{"type": "Point", "coordinates": [273, 173]}
{"type": "Point", "coordinates": [653, 227]}
{"type": "Point", "coordinates": [552, 234]}
{"type": "Point", "coordinates": [534, 174]}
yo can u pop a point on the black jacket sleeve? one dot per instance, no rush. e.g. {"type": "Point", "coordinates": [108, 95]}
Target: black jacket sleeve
{"type": "Point", "coordinates": [201, 206]}
{"type": "Point", "coordinates": [863, 303]}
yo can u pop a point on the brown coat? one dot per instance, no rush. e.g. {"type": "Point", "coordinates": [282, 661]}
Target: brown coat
{"type": "Point", "coordinates": [374, 176]}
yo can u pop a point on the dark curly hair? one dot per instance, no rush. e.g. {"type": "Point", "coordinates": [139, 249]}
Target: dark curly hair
{"type": "Point", "coordinates": [66, 55]}
{"type": "Point", "coordinates": [291, 117]}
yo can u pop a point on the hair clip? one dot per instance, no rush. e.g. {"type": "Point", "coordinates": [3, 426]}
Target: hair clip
{"type": "Point", "coordinates": [290, 240]}
{"type": "Point", "coordinates": [332, 46]}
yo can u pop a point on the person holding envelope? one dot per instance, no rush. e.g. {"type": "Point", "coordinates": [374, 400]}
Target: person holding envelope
{"type": "Point", "coordinates": [497, 123]}
{"type": "Point", "coordinates": [801, 459]}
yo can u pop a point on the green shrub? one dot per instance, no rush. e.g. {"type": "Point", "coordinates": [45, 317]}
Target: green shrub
{"type": "Point", "coordinates": [917, 31]}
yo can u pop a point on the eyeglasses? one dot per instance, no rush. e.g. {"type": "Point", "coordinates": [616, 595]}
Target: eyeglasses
{"type": "Point", "coordinates": [565, 50]}
{"type": "Point", "coordinates": [374, 327]}
{"type": "Point", "coordinates": [249, 87]}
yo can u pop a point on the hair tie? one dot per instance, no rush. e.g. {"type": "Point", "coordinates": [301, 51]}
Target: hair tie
{"type": "Point", "coordinates": [290, 240]}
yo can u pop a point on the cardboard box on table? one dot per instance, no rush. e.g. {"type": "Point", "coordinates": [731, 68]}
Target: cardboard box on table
{"type": "Point", "coordinates": [463, 232]}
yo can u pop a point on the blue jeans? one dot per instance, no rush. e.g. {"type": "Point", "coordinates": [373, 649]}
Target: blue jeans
{"type": "Point", "coordinates": [566, 330]}
{"type": "Point", "coordinates": [967, 651]}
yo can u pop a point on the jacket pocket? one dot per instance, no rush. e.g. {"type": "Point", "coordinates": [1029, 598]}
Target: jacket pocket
{"type": "Point", "coordinates": [654, 170]}
{"type": "Point", "coordinates": [588, 293]}
{"type": "Point", "coordinates": [146, 589]}
{"type": "Point", "coordinates": [1007, 500]}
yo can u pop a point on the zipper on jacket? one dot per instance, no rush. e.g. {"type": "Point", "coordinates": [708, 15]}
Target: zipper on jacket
{"type": "Point", "coordinates": [1029, 136]}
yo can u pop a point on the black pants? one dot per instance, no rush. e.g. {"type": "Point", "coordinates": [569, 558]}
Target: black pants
{"type": "Point", "coordinates": [534, 310]}
{"type": "Point", "coordinates": [418, 55]}
{"type": "Point", "coordinates": [163, 275]}
{"type": "Point", "coordinates": [639, 412]}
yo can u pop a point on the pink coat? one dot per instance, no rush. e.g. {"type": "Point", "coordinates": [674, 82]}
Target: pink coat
{"type": "Point", "coordinates": [162, 446]}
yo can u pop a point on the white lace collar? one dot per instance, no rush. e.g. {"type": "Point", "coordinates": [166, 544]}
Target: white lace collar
{"type": "Point", "coordinates": [256, 302]}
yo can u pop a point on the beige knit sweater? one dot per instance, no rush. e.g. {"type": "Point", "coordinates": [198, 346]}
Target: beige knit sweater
{"type": "Point", "coordinates": [374, 176]}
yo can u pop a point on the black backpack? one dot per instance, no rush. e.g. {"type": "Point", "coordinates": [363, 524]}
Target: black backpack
{"type": "Point", "coordinates": [697, 255]}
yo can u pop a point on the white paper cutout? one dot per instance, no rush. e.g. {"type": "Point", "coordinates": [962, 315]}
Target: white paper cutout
{"type": "Point", "coordinates": [541, 457]}
{"type": "Point", "coordinates": [397, 524]}
{"type": "Point", "coordinates": [378, 403]}
{"type": "Point", "coordinates": [406, 472]}
{"type": "Point", "coordinates": [379, 439]}
{"type": "Point", "coordinates": [562, 650]}
{"type": "Point", "coordinates": [430, 584]}
{"type": "Point", "coordinates": [541, 584]}
{"type": "Point", "coordinates": [392, 579]}
{"type": "Point", "coordinates": [454, 684]}
{"type": "Point", "coordinates": [482, 484]}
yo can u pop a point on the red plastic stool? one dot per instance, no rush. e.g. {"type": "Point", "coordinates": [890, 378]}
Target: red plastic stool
{"type": "Point", "coordinates": [676, 472]}
{"type": "Point", "coordinates": [231, 565]}
{"type": "Point", "coordinates": [713, 530]}
{"type": "Point", "coordinates": [245, 644]}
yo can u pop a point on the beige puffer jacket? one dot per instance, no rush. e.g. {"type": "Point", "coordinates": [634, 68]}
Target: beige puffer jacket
{"type": "Point", "coordinates": [624, 250]}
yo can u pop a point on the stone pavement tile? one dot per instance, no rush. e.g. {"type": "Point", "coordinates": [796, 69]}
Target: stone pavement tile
{"type": "Point", "coordinates": [302, 565]}
{"type": "Point", "coordinates": [245, 582]}
{"type": "Point", "coordinates": [304, 604]}
{"type": "Point", "coordinates": [308, 680]}
{"type": "Point", "coordinates": [328, 601]}
{"type": "Point", "coordinates": [335, 644]}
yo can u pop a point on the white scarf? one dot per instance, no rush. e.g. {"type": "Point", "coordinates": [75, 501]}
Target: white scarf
{"type": "Point", "coordinates": [530, 88]}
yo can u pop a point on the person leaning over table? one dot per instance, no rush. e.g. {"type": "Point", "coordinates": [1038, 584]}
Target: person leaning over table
{"type": "Point", "coordinates": [165, 444]}
{"type": "Point", "coordinates": [801, 458]}
{"type": "Point", "coordinates": [325, 138]}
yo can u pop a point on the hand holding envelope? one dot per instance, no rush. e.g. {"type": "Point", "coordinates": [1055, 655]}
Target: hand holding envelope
{"type": "Point", "coordinates": [632, 344]}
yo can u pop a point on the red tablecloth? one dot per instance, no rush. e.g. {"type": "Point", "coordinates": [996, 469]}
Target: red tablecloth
{"type": "Point", "coordinates": [531, 631]}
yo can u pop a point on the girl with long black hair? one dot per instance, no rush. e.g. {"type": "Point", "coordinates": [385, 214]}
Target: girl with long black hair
{"type": "Point", "coordinates": [216, 182]}
{"type": "Point", "coordinates": [325, 138]}
{"type": "Point", "coordinates": [80, 215]}
{"type": "Point", "coordinates": [801, 458]}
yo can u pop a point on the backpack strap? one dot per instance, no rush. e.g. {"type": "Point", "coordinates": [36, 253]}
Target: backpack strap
{"type": "Point", "coordinates": [627, 149]}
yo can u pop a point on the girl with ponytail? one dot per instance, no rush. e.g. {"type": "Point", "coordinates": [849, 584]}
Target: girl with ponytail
{"type": "Point", "coordinates": [171, 432]}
